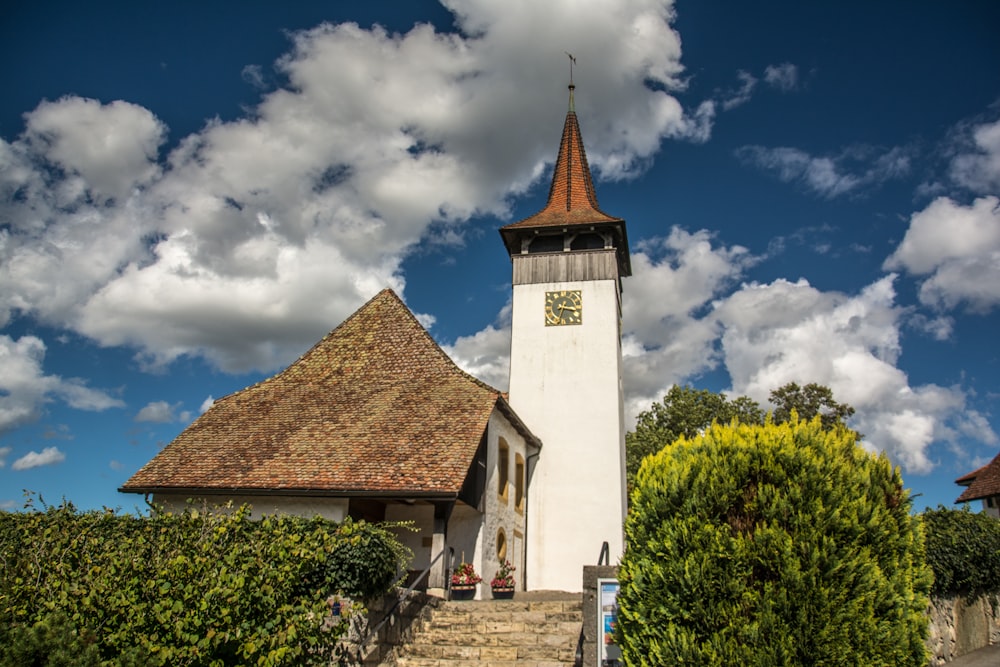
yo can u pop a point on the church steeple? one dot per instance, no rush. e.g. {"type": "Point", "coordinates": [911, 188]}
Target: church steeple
{"type": "Point", "coordinates": [572, 205]}
{"type": "Point", "coordinates": [567, 265]}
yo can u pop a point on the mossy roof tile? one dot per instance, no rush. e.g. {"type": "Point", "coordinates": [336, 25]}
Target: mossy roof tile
{"type": "Point", "coordinates": [375, 407]}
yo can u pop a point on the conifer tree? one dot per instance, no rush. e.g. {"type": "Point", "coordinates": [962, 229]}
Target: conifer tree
{"type": "Point", "coordinates": [774, 544]}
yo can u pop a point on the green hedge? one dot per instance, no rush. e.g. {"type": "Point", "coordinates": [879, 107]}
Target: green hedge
{"type": "Point", "coordinates": [963, 549]}
{"type": "Point", "coordinates": [197, 588]}
{"type": "Point", "coordinates": [772, 545]}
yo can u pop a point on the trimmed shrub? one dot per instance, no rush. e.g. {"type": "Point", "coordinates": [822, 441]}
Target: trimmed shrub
{"type": "Point", "coordinates": [198, 588]}
{"type": "Point", "coordinates": [772, 545]}
{"type": "Point", "coordinates": [963, 549]}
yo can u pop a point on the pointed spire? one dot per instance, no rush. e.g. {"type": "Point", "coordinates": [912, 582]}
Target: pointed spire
{"type": "Point", "coordinates": [572, 198]}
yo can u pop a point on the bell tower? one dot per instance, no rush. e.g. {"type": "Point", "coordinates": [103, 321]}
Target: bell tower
{"type": "Point", "coordinates": [565, 370]}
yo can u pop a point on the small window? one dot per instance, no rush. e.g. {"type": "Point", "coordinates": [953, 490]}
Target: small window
{"type": "Point", "coordinates": [588, 242]}
{"type": "Point", "coordinates": [501, 545]}
{"type": "Point", "coordinates": [546, 244]}
{"type": "Point", "coordinates": [519, 483]}
{"type": "Point", "coordinates": [503, 472]}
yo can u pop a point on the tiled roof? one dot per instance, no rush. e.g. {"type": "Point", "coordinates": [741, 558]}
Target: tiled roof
{"type": "Point", "coordinates": [982, 483]}
{"type": "Point", "coordinates": [572, 199]}
{"type": "Point", "coordinates": [375, 407]}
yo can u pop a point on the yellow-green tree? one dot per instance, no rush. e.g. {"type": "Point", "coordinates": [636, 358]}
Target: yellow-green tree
{"type": "Point", "coordinates": [774, 544]}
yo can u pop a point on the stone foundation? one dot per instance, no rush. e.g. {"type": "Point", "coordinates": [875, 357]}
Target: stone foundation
{"type": "Point", "coordinates": [958, 627]}
{"type": "Point", "coordinates": [395, 624]}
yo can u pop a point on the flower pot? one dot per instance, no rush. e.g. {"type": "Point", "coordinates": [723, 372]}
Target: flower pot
{"type": "Point", "coordinates": [504, 593]}
{"type": "Point", "coordinates": [463, 591]}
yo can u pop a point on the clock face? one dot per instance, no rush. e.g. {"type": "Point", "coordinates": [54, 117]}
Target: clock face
{"type": "Point", "coordinates": [563, 307]}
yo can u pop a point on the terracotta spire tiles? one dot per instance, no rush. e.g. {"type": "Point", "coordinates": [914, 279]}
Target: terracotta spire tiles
{"type": "Point", "coordinates": [572, 199]}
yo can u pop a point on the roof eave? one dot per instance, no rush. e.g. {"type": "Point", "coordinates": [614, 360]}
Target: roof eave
{"type": "Point", "coordinates": [530, 438]}
{"type": "Point", "coordinates": [194, 491]}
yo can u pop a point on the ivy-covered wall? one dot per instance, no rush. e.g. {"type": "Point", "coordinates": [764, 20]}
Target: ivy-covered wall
{"type": "Point", "coordinates": [963, 550]}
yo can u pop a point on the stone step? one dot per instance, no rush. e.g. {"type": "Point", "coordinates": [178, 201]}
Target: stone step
{"type": "Point", "coordinates": [529, 632]}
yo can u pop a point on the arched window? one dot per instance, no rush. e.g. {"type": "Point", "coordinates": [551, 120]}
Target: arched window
{"type": "Point", "coordinates": [503, 469]}
{"type": "Point", "coordinates": [519, 483]}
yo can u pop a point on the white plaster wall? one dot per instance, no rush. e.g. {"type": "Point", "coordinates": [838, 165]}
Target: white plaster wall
{"type": "Point", "coordinates": [332, 509]}
{"type": "Point", "coordinates": [464, 533]}
{"type": "Point", "coordinates": [565, 383]}
{"type": "Point", "coordinates": [422, 518]}
{"type": "Point", "coordinates": [502, 513]}
{"type": "Point", "coordinates": [991, 507]}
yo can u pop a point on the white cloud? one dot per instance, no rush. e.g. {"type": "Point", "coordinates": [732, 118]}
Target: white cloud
{"type": "Point", "coordinates": [159, 412]}
{"type": "Point", "coordinates": [206, 404]}
{"type": "Point", "coordinates": [978, 167]}
{"type": "Point", "coordinates": [958, 247]}
{"type": "Point", "coordinates": [682, 318]}
{"type": "Point", "coordinates": [741, 95]}
{"type": "Point", "coordinates": [485, 354]}
{"type": "Point", "coordinates": [245, 242]}
{"type": "Point", "coordinates": [791, 332]}
{"type": "Point", "coordinates": [784, 77]}
{"type": "Point", "coordinates": [25, 389]}
{"type": "Point", "coordinates": [851, 171]}
{"type": "Point", "coordinates": [4, 453]}
{"type": "Point", "coordinates": [667, 337]}
{"type": "Point", "coordinates": [47, 457]}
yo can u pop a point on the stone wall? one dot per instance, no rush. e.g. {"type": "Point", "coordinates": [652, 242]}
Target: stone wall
{"type": "Point", "coordinates": [394, 623]}
{"type": "Point", "coordinates": [958, 627]}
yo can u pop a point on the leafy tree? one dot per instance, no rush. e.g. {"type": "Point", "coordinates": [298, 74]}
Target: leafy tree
{"type": "Point", "coordinates": [809, 401]}
{"type": "Point", "coordinates": [774, 544]}
{"type": "Point", "coordinates": [684, 411]}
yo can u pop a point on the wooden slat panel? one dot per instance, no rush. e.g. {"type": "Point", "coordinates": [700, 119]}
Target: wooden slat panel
{"type": "Point", "coordinates": [565, 267]}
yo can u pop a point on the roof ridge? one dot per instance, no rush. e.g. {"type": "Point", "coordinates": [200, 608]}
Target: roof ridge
{"type": "Point", "coordinates": [315, 345]}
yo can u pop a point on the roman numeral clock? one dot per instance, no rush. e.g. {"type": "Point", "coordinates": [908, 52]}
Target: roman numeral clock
{"type": "Point", "coordinates": [563, 307]}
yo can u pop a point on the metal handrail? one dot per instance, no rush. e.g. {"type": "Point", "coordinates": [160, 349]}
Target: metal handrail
{"type": "Point", "coordinates": [450, 551]}
{"type": "Point", "coordinates": [603, 559]}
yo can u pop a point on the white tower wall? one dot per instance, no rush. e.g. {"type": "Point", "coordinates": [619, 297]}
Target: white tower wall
{"type": "Point", "coordinates": [566, 384]}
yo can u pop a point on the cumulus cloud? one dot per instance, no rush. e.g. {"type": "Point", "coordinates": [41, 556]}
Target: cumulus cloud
{"type": "Point", "coordinates": [791, 332]}
{"type": "Point", "coordinates": [851, 171]}
{"type": "Point", "coordinates": [686, 315]}
{"type": "Point", "coordinates": [249, 238]}
{"type": "Point", "coordinates": [47, 457]}
{"type": "Point", "coordinates": [667, 336]}
{"type": "Point", "coordinates": [958, 248]}
{"type": "Point", "coordinates": [486, 353]}
{"type": "Point", "coordinates": [25, 388]}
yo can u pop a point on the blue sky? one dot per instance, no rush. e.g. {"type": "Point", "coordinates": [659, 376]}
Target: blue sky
{"type": "Point", "coordinates": [192, 194]}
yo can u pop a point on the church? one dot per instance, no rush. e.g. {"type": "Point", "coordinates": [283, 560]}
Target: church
{"type": "Point", "coordinates": [376, 422]}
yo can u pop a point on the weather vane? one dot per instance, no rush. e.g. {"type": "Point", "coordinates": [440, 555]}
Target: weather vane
{"type": "Point", "coordinates": [572, 61]}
